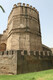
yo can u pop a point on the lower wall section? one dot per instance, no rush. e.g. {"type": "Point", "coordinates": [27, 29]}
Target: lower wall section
{"type": "Point", "coordinates": [32, 63]}
{"type": "Point", "coordinates": [17, 62]}
{"type": "Point", "coordinates": [33, 66]}
{"type": "Point", "coordinates": [8, 63]}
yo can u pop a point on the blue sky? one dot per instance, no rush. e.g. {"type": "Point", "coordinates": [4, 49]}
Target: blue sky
{"type": "Point", "coordinates": [45, 8]}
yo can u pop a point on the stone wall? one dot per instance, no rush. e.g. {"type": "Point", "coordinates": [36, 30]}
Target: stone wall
{"type": "Point", "coordinates": [8, 62]}
{"type": "Point", "coordinates": [34, 61]}
{"type": "Point", "coordinates": [19, 61]}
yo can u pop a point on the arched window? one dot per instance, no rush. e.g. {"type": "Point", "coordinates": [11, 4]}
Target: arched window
{"type": "Point", "coordinates": [2, 47]}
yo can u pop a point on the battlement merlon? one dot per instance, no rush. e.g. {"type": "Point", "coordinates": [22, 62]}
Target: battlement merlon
{"type": "Point", "coordinates": [23, 5]}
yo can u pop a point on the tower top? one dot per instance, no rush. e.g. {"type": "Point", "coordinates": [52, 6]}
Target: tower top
{"type": "Point", "coordinates": [23, 5]}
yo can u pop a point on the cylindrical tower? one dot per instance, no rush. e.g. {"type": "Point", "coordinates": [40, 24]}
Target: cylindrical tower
{"type": "Point", "coordinates": [24, 28]}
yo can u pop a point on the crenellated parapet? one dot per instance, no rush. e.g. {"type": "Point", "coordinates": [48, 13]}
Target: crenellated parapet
{"type": "Point", "coordinates": [24, 5]}
{"type": "Point", "coordinates": [36, 54]}
{"type": "Point", "coordinates": [23, 61]}
{"type": "Point", "coordinates": [34, 10]}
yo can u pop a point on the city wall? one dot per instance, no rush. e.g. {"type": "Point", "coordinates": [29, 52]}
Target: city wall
{"type": "Point", "coordinates": [8, 62]}
{"type": "Point", "coordinates": [18, 61]}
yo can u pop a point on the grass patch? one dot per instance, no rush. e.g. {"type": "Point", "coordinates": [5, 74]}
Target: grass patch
{"type": "Point", "coordinates": [42, 75]}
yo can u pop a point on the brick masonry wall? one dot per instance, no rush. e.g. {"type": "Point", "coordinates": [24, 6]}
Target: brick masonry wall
{"type": "Point", "coordinates": [33, 61]}
{"type": "Point", "coordinates": [8, 62]}
{"type": "Point", "coordinates": [19, 61]}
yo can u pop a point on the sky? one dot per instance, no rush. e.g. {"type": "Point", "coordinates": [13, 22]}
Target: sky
{"type": "Point", "coordinates": [45, 8]}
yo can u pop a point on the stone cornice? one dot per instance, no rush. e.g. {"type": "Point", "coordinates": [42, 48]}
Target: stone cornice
{"type": "Point", "coordinates": [24, 30]}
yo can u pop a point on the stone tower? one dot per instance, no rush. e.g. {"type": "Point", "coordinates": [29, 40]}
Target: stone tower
{"type": "Point", "coordinates": [23, 28]}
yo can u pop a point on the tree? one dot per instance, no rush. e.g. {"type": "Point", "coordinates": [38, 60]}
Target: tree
{"type": "Point", "coordinates": [2, 8]}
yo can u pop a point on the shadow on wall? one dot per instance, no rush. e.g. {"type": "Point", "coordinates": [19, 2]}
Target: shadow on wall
{"type": "Point", "coordinates": [2, 47]}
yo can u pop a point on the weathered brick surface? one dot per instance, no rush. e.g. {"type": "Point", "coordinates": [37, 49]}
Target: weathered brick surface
{"type": "Point", "coordinates": [8, 62]}
{"type": "Point", "coordinates": [33, 62]}
{"type": "Point", "coordinates": [17, 62]}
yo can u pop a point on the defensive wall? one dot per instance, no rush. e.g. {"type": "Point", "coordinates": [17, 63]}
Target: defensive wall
{"type": "Point", "coordinates": [19, 61]}
{"type": "Point", "coordinates": [21, 48]}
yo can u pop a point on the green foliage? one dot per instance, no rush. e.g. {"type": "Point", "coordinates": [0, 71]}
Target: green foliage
{"type": "Point", "coordinates": [2, 8]}
{"type": "Point", "coordinates": [42, 75]}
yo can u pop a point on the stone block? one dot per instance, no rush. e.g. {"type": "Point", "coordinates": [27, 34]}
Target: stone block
{"type": "Point", "coordinates": [27, 5]}
{"type": "Point", "coordinates": [19, 4]}
{"type": "Point", "coordinates": [14, 6]}
{"type": "Point", "coordinates": [23, 4]}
